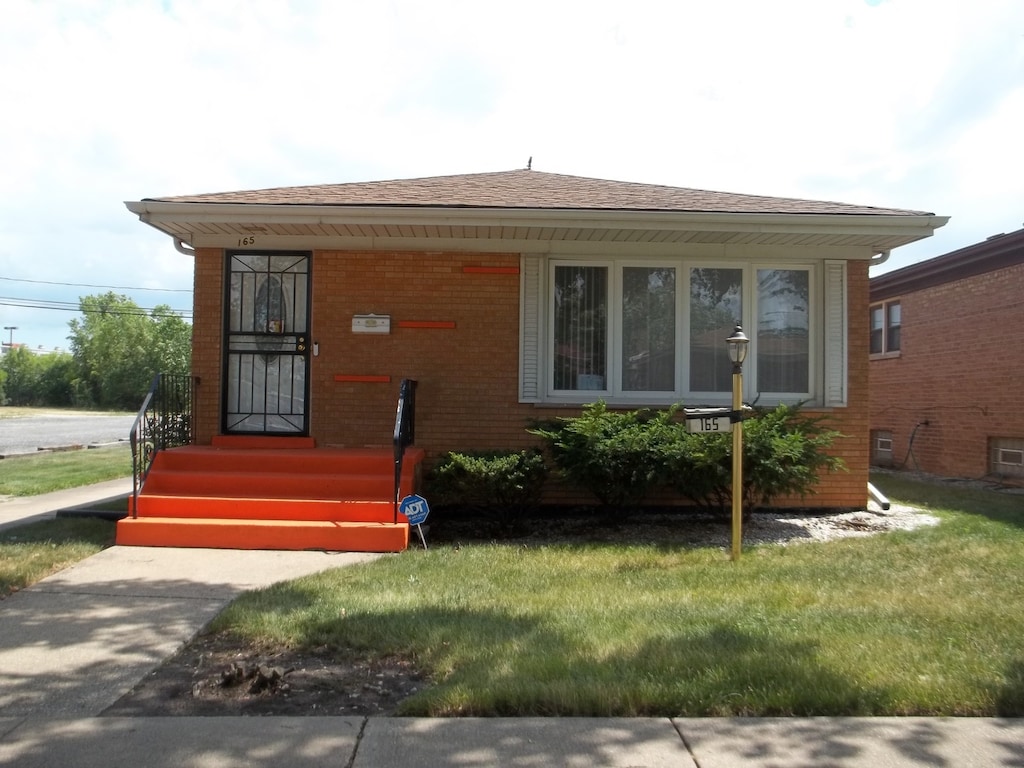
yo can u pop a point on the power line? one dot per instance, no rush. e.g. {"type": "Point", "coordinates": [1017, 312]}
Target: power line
{"type": "Point", "coordinates": [68, 306]}
{"type": "Point", "coordinates": [89, 285]}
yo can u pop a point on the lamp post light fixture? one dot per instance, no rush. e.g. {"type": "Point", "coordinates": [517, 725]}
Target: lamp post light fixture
{"type": "Point", "coordinates": [738, 343]}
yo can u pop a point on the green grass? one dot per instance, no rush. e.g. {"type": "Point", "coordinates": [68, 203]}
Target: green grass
{"type": "Point", "coordinates": [929, 622]}
{"type": "Point", "coordinates": [20, 412]}
{"type": "Point", "coordinates": [33, 551]}
{"type": "Point", "coordinates": [44, 472]}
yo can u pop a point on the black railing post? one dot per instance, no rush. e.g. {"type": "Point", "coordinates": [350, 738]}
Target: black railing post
{"type": "Point", "coordinates": [405, 431]}
{"type": "Point", "coordinates": [164, 421]}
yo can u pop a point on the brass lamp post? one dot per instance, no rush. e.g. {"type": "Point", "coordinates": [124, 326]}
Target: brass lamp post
{"type": "Point", "coordinates": [737, 353]}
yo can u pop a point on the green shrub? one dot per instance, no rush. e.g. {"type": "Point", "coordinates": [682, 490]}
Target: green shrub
{"type": "Point", "coordinates": [622, 456]}
{"type": "Point", "coordinates": [612, 454]}
{"type": "Point", "coordinates": [784, 452]}
{"type": "Point", "coordinates": [508, 483]}
{"type": "Point", "coordinates": [698, 466]}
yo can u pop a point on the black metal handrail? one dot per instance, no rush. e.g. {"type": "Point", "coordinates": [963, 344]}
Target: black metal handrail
{"type": "Point", "coordinates": [405, 430]}
{"type": "Point", "coordinates": [164, 421]}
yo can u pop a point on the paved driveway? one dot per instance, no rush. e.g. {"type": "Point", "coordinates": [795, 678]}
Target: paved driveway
{"type": "Point", "coordinates": [52, 430]}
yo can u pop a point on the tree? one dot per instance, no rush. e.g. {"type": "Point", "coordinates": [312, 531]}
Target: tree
{"type": "Point", "coordinates": [118, 348]}
{"type": "Point", "coordinates": [21, 384]}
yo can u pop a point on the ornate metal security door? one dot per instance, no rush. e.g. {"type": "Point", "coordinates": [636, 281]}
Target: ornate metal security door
{"type": "Point", "coordinates": [266, 381]}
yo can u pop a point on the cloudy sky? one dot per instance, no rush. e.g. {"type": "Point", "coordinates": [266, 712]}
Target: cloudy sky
{"type": "Point", "coordinates": [906, 103]}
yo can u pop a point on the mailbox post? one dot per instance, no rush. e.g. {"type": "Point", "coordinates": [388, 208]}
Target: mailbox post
{"type": "Point", "coordinates": [737, 353]}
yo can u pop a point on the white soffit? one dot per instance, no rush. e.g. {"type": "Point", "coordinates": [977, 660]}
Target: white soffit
{"type": "Point", "coordinates": [225, 225]}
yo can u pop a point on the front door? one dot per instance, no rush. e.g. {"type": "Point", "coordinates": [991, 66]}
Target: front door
{"type": "Point", "coordinates": [266, 381]}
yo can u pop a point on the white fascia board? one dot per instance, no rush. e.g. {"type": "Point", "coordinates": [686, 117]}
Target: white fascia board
{"type": "Point", "coordinates": [571, 218]}
{"type": "Point", "coordinates": [243, 215]}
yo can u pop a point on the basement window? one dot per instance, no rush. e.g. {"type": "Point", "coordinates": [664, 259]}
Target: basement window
{"type": "Point", "coordinates": [881, 447]}
{"type": "Point", "coordinates": [1007, 457]}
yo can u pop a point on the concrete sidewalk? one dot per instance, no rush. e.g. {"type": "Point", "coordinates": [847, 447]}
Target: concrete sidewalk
{"type": "Point", "coordinates": [72, 644]}
{"type": "Point", "coordinates": [19, 510]}
{"type": "Point", "coordinates": [382, 742]}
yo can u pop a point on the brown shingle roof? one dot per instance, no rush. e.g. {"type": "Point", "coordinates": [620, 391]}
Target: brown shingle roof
{"type": "Point", "coordinates": [525, 189]}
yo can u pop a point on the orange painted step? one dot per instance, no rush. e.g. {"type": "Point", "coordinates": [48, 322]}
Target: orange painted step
{"type": "Point", "coordinates": [236, 508]}
{"type": "Point", "coordinates": [277, 485]}
{"type": "Point", "coordinates": [262, 534]}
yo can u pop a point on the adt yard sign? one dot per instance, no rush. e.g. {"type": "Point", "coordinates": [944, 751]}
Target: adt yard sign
{"type": "Point", "coordinates": [415, 508]}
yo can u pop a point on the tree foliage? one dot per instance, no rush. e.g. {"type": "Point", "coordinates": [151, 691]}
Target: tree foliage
{"type": "Point", "coordinates": [116, 349]}
{"type": "Point", "coordinates": [119, 348]}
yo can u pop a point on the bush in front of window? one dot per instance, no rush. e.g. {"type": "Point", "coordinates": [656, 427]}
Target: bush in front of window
{"type": "Point", "coordinates": [698, 467]}
{"type": "Point", "coordinates": [623, 456]}
{"type": "Point", "coordinates": [507, 484]}
{"type": "Point", "coordinates": [612, 454]}
{"type": "Point", "coordinates": [784, 453]}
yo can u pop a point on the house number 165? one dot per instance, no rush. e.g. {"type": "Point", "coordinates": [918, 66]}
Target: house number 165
{"type": "Point", "coordinates": [250, 240]}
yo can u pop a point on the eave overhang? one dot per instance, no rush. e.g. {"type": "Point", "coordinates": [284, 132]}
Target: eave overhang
{"type": "Point", "coordinates": [493, 230]}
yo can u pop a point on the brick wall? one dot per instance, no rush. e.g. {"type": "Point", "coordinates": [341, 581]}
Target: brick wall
{"type": "Point", "coordinates": [468, 374]}
{"type": "Point", "coordinates": [207, 337]}
{"type": "Point", "coordinates": [468, 392]}
{"type": "Point", "coordinates": [959, 369]}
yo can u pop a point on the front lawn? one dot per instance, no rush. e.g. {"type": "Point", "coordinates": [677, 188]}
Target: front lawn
{"type": "Point", "coordinates": [44, 472]}
{"type": "Point", "coordinates": [929, 622]}
{"type": "Point", "coordinates": [33, 551]}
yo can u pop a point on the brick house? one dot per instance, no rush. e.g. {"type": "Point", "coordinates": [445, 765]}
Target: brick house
{"type": "Point", "coordinates": [515, 295]}
{"type": "Point", "coordinates": [946, 364]}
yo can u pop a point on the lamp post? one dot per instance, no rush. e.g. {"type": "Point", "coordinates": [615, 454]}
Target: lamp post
{"type": "Point", "coordinates": [737, 353]}
{"type": "Point", "coordinates": [12, 329]}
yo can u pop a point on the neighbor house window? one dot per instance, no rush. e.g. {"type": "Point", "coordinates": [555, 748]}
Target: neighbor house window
{"type": "Point", "coordinates": [655, 332]}
{"type": "Point", "coordinates": [885, 328]}
{"type": "Point", "coordinates": [1007, 456]}
{"type": "Point", "coordinates": [881, 447]}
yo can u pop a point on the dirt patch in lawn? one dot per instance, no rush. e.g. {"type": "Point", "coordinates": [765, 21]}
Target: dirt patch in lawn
{"type": "Point", "coordinates": [218, 674]}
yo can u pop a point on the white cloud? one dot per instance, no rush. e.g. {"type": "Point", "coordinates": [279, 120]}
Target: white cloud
{"type": "Point", "coordinates": [907, 103]}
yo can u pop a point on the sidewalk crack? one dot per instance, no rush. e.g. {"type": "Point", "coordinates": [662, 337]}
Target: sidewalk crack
{"type": "Point", "coordinates": [359, 740]}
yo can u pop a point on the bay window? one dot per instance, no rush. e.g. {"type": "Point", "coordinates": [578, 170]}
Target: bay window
{"type": "Point", "coordinates": [580, 318]}
{"type": "Point", "coordinates": [654, 331]}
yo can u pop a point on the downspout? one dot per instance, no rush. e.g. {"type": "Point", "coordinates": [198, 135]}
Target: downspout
{"type": "Point", "coordinates": [180, 247]}
{"type": "Point", "coordinates": [880, 258]}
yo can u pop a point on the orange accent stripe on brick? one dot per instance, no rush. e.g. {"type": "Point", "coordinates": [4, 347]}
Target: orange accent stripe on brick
{"type": "Point", "coordinates": [356, 377]}
{"type": "Point", "coordinates": [491, 270]}
{"type": "Point", "coordinates": [426, 323]}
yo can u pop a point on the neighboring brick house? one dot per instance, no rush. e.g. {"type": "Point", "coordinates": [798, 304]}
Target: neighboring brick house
{"type": "Point", "coordinates": [947, 363]}
{"type": "Point", "coordinates": [516, 295]}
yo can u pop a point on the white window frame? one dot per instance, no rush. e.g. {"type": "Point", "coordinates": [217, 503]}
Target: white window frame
{"type": "Point", "coordinates": [884, 306]}
{"type": "Point", "coordinates": [882, 454]}
{"type": "Point", "coordinates": [826, 317]}
{"type": "Point", "coordinates": [1007, 456]}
